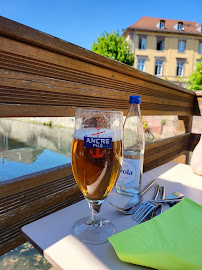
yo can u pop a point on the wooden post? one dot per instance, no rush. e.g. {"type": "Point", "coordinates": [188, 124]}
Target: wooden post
{"type": "Point", "coordinates": [188, 120]}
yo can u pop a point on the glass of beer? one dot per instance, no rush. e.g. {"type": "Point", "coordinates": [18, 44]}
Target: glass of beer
{"type": "Point", "coordinates": [97, 155]}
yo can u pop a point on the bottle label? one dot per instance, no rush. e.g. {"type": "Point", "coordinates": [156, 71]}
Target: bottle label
{"type": "Point", "coordinates": [130, 173]}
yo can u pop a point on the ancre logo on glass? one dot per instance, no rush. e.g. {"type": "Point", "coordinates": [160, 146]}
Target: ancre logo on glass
{"type": "Point", "coordinates": [97, 143]}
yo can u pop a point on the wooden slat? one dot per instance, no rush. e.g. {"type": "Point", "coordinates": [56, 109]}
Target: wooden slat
{"type": "Point", "coordinates": [11, 244]}
{"type": "Point", "coordinates": [194, 139]}
{"type": "Point", "coordinates": [30, 181]}
{"type": "Point", "coordinates": [64, 81]}
{"type": "Point", "coordinates": [24, 207]}
{"type": "Point", "coordinates": [19, 110]}
{"type": "Point", "coordinates": [36, 38]}
{"type": "Point", "coordinates": [60, 67]}
{"type": "Point", "coordinates": [27, 198]}
{"type": "Point", "coordinates": [10, 236]}
{"type": "Point", "coordinates": [165, 150]}
{"type": "Point", "coordinates": [32, 85]}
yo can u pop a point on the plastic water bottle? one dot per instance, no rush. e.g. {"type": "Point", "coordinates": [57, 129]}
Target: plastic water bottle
{"type": "Point", "coordinates": [129, 180]}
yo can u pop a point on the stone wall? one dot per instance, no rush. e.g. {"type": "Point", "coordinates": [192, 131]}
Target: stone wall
{"type": "Point", "coordinates": [160, 126]}
{"type": "Point", "coordinates": [168, 126]}
{"type": "Point", "coordinates": [50, 121]}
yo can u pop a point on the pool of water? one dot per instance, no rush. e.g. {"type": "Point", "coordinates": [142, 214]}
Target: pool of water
{"type": "Point", "coordinates": [27, 148]}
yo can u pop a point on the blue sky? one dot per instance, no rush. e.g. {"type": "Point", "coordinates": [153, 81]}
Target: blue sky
{"type": "Point", "coordinates": [82, 21]}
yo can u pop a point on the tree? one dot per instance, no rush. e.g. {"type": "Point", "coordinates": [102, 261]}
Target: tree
{"type": "Point", "coordinates": [113, 46]}
{"type": "Point", "coordinates": [195, 79]}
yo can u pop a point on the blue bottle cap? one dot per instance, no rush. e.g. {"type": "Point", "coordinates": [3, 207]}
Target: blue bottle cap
{"type": "Point", "coordinates": [135, 100]}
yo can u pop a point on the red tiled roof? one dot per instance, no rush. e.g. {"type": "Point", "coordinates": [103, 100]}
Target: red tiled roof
{"type": "Point", "coordinates": [150, 23]}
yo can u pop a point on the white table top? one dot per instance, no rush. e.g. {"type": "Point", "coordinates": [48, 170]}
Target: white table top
{"type": "Point", "coordinates": [53, 233]}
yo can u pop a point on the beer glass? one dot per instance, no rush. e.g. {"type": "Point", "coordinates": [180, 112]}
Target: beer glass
{"type": "Point", "coordinates": [97, 155]}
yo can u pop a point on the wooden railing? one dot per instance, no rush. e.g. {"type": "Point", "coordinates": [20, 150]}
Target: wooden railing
{"type": "Point", "coordinates": [41, 75]}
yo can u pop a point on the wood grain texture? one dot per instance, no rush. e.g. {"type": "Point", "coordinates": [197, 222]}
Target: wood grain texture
{"type": "Point", "coordinates": [10, 236]}
{"type": "Point", "coordinates": [194, 139]}
{"type": "Point", "coordinates": [31, 202]}
{"type": "Point", "coordinates": [39, 39]}
{"type": "Point", "coordinates": [11, 244]}
{"type": "Point", "coordinates": [165, 150]}
{"type": "Point", "coordinates": [30, 181]}
{"type": "Point", "coordinates": [188, 120]}
{"type": "Point", "coordinates": [32, 76]}
{"type": "Point", "coordinates": [198, 103]}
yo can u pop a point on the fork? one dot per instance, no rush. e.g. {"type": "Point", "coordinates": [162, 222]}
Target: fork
{"type": "Point", "coordinates": [159, 209]}
{"type": "Point", "coordinates": [144, 210]}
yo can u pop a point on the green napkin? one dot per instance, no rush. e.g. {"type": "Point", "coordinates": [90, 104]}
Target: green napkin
{"type": "Point", "coordinates": [172, 240]}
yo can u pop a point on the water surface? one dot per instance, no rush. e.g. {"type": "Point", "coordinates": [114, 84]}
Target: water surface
{"type": "Point", "coordinates": [26, 148]}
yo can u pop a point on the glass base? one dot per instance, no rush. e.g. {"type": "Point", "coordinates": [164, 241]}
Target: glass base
{"type": "Point", "coordinates": [126, 190]}
{"type": "Point", "coordinates": [91, 232]}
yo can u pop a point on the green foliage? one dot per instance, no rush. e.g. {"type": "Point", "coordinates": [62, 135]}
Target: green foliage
{"type": "Point", "coordinates": [180, 79]}
{"type": "Point", "coordinates": [163, 122]}
{"type": "Point", "coordinates": [113, 46]}
{"type": "Point", "coordinates": [145, 125]}
{"type": "Point", "coordinates": [195, 79]}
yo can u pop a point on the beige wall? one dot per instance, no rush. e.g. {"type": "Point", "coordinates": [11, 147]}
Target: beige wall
{"type": "Point", "coordinates": [170, 53]}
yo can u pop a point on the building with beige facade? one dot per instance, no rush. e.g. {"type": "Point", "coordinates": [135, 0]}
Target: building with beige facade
{"type": "Point", "coordinates": [165, 48]}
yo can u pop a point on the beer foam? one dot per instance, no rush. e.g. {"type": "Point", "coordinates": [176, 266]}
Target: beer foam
{"type": "Point", "coordinates": [116, 135]}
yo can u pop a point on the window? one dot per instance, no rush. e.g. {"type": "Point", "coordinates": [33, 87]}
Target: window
{"type": "Point", "coordinates": [200, 48]}
{"type": "Point", "coordinates": [158, 67]}
{"type": "Point", "coordinates": [180, 26]}
{"type": "Point", "coordinates": [181, 46]}
{"type": "Point", "coordinates": [142, 43]}
{"type": "Point", "coordinates": [160, 44]}
{"type": "Point", "coordinates": [180, 68]}
{"type": "Point", "coordinates": [141, 64]}
{"type": "Point", "coordinates": [162, 25]}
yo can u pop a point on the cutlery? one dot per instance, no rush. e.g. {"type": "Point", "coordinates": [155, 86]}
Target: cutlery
{"type": "Point", "coordinates": [156, 203]}
{"type": "Point", "coordinates": [174, 195]}
{"type": "Point", "coordinates": [128, 211]}
{"type": "Point", "coordinates": [177, 199]}
{"type": "Point", "coordinates": [159, 210]}
{"type": "Point", "coordinates": [174, 198]}
{"type": "Point", "coordinates": [136, 199]}
{"type": "Point", "coordinates": [131, 210]}
{"type": "Point", "coordinates": [144, 210]}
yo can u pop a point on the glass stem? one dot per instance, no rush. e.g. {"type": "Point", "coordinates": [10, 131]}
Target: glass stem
{"type": "Point", "coordinates": [95, 213]}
